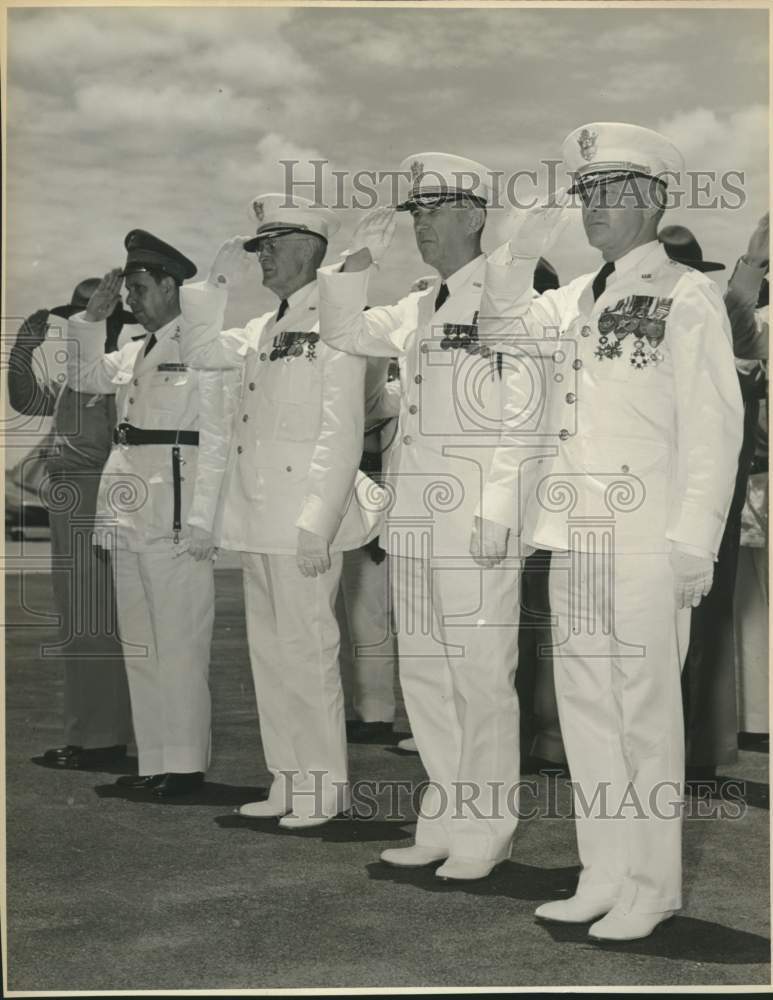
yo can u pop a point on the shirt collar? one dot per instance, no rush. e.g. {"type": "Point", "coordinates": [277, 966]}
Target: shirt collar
{"type": "Point", "coordinates": [460, 277]}
{"type": "Point", "coordinates": [632, 260]}
{"type": "Point", "coordinates": [299, 295]}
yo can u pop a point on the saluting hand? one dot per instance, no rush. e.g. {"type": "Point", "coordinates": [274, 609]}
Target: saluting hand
{"type": "Point", "coordinates": [371, 239]}
{"type": "Point", "coordinates": [534, 230]}
{"type": "Point", "coordinates": [231, 263]}
{"type": "Point", "coordinates": [33, 330]}
{"type": "Point", "coordinates": [313, 553]}
{"type": "Point", "coordinates": [693, 577]}
{"type": "Point", "coordinates": [106, 296]}
{"type": "Point", "coordinates": [201, 544]}
{"type": "Point", "coordinates": [758, 253]}
{"type": "Point", "coordinates": [488, 544]}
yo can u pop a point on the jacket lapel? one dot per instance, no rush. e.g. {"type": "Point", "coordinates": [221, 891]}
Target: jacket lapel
{"type": "Point", "coordinates": [165, 351]}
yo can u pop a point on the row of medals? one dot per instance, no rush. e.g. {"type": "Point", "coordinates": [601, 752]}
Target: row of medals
{"type": "Point", "coordinates": [464, 336]}
{"type": "Point", "coordinates": [636, 317]}
{"type": "Point", "coordinates": [289, 344]}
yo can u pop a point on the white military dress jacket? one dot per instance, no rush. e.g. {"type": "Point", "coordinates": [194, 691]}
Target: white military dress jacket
{"type": "Point", "coordinates": [297, 435]}
{"type": "Point", "coordinates": [158, 391]}
{"type": "Point", "coordinates": [628, 407]}
{"type": "Point", "coordinates": [450, 406]}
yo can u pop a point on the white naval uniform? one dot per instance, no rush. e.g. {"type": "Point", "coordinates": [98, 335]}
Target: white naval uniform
{"type": "Point", "coordinates": [292, 463]}
{"type": "Point", "coordinates": [456, 624]}
{"type": "Point", "coordinates": [165, 598]}
{"type": "Point", "coordinates": [629, 458]}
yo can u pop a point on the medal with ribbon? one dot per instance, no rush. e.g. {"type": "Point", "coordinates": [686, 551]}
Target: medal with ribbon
{"type": "Point", "coordinates": [290, 344]}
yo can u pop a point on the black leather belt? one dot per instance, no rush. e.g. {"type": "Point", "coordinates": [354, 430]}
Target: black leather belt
{"type": "Point", "coordinates": [127, 434]}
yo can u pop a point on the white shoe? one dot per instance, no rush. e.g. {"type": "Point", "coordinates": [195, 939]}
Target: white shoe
{"type": "Point", "coordinates": [264, 809]}
{"type": "Point", "coordinates": [467, 869]}
{"type": "Point", "coordinates": [618, 925]}
{"type": "Point", "coordinates": [292, 821]}
{"type": "Point", "coordinates": [577, 910]}
{"type": "Point", "coordinates": [409, 745]}
{"type": "Point", "coordinates": [413, 857]}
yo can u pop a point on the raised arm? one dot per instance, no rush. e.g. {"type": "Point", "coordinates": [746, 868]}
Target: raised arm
{"type": "Point", "coordinates": [28, 394]}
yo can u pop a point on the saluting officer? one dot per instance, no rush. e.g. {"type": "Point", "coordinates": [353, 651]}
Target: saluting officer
{"type": "Point", "coordinates": [288, 505]}
{"type": "Point", "coordinates": [157, 500]}
{"type": "Point", "coordinates": [630, 485]}
{"type": "Point", "coordinates": [457, 628]}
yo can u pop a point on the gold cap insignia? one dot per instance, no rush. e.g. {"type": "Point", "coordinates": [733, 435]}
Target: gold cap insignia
{"type": "Point", "coordinates": [587, 140]}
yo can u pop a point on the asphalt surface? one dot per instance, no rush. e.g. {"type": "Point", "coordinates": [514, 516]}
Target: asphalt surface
{"type": "Point", "coordinates": [110, 890]}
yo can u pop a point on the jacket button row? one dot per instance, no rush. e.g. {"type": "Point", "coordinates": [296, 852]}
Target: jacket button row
{"type": "Point", "coordinates": [417, 379]}
{"type": "Point", "coordinates": [563, 434]}
{"type": "Point", "coordinates": [570, 397]}
{"type": "Point", "coordinates": [577, 364]}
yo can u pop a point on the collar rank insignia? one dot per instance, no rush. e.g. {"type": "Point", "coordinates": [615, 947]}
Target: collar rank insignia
{"type": "Point", "coordinates": [290, 344]}
{"type": "Point", "coordinates": [587, 140]}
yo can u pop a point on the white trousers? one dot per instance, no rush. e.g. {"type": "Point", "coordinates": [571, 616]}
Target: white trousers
{"type": "Point", "coordinates": [457, 640]}
{"type": "Point", "coordinates": [293, 638]}
{"type": "Point", "coordinates": [166, 610]}
{"type": "Point", "coordinates": [368, 642]}
{"type": "Point", "coordinates": [619, 646]}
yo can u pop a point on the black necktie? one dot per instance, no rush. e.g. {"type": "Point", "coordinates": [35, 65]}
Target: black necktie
{"type": "Point", "coordinates": [150, 343]}
{"type": "Point", "coordinates": [441, 296]}
{"type": "Point", "coordinates": [283, 307]}
{"type": "Point", "coordinates": [600, 281]}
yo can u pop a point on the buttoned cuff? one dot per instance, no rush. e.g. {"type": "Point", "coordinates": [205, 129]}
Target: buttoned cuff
{"type": "Point", "coordinates": [319, 517]}
{"type": "Point", "coordinates": [697, 528]}
{"type": "Point", "coordinates": [497, 504]}
{"type": "Point", "coordinates": [337, 287]}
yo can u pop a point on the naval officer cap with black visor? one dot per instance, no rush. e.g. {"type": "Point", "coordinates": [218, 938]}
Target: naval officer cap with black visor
{"type": "Point", "coordinates": [440, 178]}
{"type": "Point", "coordinates": [601, 153]}
{"type": "Point", "coordinates": [282, 215]}
{"type": "Point", "coordinates": [146, 252]}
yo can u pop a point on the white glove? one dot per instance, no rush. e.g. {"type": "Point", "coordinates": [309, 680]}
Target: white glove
{"type": "Point", "coordinates": [313, 553]}
{"type": "Point", "coordinates": [106, 296]}
{"type": "Point", "coordinates": [693, 576]}
{"type": "Point", "coordinates": [533, 231]}
{"type": "Point", "coordinates": [374, 233]}
{"type": "Point", "coordinates": [488, 543]}
{"type": "Point", "coordinates": [231, 263]}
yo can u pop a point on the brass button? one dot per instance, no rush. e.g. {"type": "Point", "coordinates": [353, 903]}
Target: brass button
{"type": "Point", "coordinates": [625, 468]}
{"type": "Point", "coordinates": [131, 399]}
{"type": "Point", "coordinates": [577, 364]}
{"type": "Point", "coordinates": [559, 356]}
{"type": "Point", "coordinates": [289, 468]}
{"type": "Point", "coordinates": [413, 408]}
{"type": "Point", "coordinates": [586, 331]}
{"type": "Point", "coordinates": [424, 348]}
{"type": "Point", "coordinates": [407, 439]}
{"type": "Point", "coordinates": [245, 418]}
{"type": "Point", "coordinates": [563, 434]}
{"type": "Point", "coordinates": [262, 358]}
{"type": "Point", "coordinates": [239, 449]}
{"type": "Point", "coordinates": [570, 397]}
{"type": "Point", "coordinates": [136, 381]}
{"type": "Point", "coordinates": [252, 386]}
{"type": "Point", "coordinates": [417, 379]}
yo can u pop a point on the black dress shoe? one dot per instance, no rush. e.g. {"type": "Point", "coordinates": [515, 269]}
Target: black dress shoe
{"type": "Point", "coordinates": [368, 732]}
{"type": "Point", "coordinates": [178, 784]}
{"type": "Point", "coordinates": [140, 780]}
{"type": "Point", "coordinates": [75, 757]}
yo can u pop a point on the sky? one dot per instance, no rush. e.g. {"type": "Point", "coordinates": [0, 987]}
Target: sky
{"type": "Point", "coordinates": [173, 119]}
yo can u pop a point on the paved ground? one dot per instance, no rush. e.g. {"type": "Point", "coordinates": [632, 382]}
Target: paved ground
{"type": "Point", "coordinates": [112, 891]}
